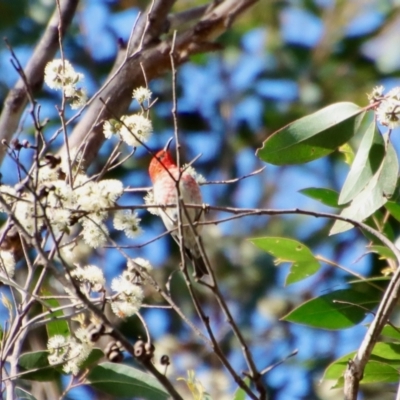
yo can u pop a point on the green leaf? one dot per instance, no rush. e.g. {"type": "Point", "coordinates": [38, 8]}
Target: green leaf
{"type": "Point", "coordinates": [326, 196]}
{"type": "Point", "coordinates": [374, 372]}
{"type": "Point", "coordinates": [379, 372]}
{"type": "Point", "coordinates": [384, 252]}
{"type": "Point", "coordinates": [391, 332]}
{"type": "Point", "coordinates": [383, 353]}
{"type": "Point", "coordinates": [374, 195]}
{"type": "Point", "coordinates": [37, 360]}
{"type": "Point", "coordinates": [304, 264]}
{"type": "Point", "coordinates": [388, 351]}
{"type": "Point", "coordinates": [57, 326]}
{"type": "Point", "coordinates": [336, 369]}
{"type": "Point", "coordinates": [240, 394]}
{"type": "Point", "coordinates": [22, 394]}
{"type": "Point", "coordinates": [337, 310]}
{"type": "Point", "coordinates": [313, 136]}
{"type": "Point", "coordinates": [394, 209]}
{"type": "Point", "coordinates": [369, 157]}
{"type": "Point", "coordinates": [124, 381]}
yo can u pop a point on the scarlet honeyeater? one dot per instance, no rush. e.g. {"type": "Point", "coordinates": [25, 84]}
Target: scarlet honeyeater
{"type": "Point", "coordinates": [165, 174]}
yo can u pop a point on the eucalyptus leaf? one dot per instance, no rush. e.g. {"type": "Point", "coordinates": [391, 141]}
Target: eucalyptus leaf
{"type": "Point", "coordinates": [125, 381]}
{"type": "Point", "coordinates": [339, 309]}
{"type": "Point", "coordinates": [313, 136]}
{"type": "Point", "coordinates": [376, 193]}
{"type": "Point", "coordinates": [37, 362]}
{"type": "Point", "coordinates": [303, 263]}
{"type": "Point", "coordinates": [368, 159]}
{"type": "Point", "coordinates": [325, 196]}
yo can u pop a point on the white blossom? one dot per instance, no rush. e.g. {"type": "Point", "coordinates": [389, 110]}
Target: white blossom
{"type": "Point", "coordinates": [388, 112]}
{"type": "Point", "coordinates": [9, 195]}
{"type": "Point", "coordinates": [141, 262]}
{"type": "Point", "coordinates": [60, 219]}
{"type": "Point", "coordinates": [47, 174]}
{"type": "Point", "coordinates": [91, 274]}
{"type": "Point", "coordinates": [60, 73]}
{"type": "Point", "coordinates": [135, 129]}
{"type": "Point", "coordinates": [70, 351]}
{"type": "Point", "coordinates": [111, 190]}
{"type": "Point", "coordinates": [111, 127]}
{"type": "Point", "coordinates": [56, 342]}
{"type": "Point", "coordinates": [129, 299]}
{"type": "Point", "coordinates": [61, 195]}
{"type": "Point", "coordinates": [94, 234]}
{"type": "Point", "coordinates": [76, 97]}
{"type": "Point", "coordinates": [124, 309]}
{"type": "Point", "coordinates": [58, 349]}
{"type": "Point", "coordinates": [195, 175]}
{"type": "Point", "coordinates": [98, 196]}
{"type": "Point", "coordinates": [149, 201]}
{"type": "Point", "coordinates": [24, 211]}
{"type": "Point", "coordinates": [128, 222]}
{"type": "Point", "coordinates": [7, 263]}
{"type": "Point", "coordinates": [142, 94]}
{"type": "Point", "coordinates": [376, 94]}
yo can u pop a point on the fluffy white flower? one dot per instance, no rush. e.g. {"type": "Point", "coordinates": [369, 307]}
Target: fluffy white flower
{"type": "Point", "coordinates": [9, 195]}
{"type": "Point", "coordinates": [136, 129]}
{"type": "Point", "coordinates": [129, 299]}
{"type": "Point", "coordinates": [124, 309]}
{"type": "Point", "coordinates": [388, 112]}
{"type": "Point", "coordinates": [141, 262]}
{"type": "Point", "coordinates": [111, 127]}
{"type": "Point", "coordinates": [142, 94]}
{"type": "Point", "coordinates": [59, 218]}
{"type": "Point", "coordinates": [24, 211]}
{"type": "Point", "coordinates": [69, 351]}
{"type": "Point", "coordinates": [58, 347]}
{"type": "Point", "coordinates": [61, 195]}
{"type": "Point", "coordinates": [149, 201]}
{"type": "Point", "coordinates": [91, 274]}
{"type": "Point", "coordinates": [59, 74]}
{"type": "Point", "coordinates": [71, 367]}
{"type": "Point", "coordinates": [78, 352]}
{"type": "Point", "coordinates": [128, 222]}
{"type": "Point", "coordinates": [94, 234]}
{"type": "Point", "coordinates": [77, 98]}
{"type": "Point", "coordinates": [191, 171]}
{"type": "Point", "coordinates": [111, 190]}
{"type": "Point", "coordinates": [376, 94]}
{"type": "Point", "coordinates": [56, 342]}
{"type": "Point", "coordinates": [47, 174]}
{"type": "Point", "coordinates": [98, 196]}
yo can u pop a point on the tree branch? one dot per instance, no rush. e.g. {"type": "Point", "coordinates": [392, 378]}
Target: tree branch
{"type": "Point", "coordinates": [155, 60]}
{"type": "Point", "coordinates": [47, 47]}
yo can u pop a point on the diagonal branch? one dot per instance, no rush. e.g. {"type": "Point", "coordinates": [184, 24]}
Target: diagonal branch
{"type": "Point", "coordinates": [154, 59]}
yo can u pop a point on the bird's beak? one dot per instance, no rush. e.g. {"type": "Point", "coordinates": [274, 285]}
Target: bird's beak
{"type": "Point", "coordinates": [166, 147]}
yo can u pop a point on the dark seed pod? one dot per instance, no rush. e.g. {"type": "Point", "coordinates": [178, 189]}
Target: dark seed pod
{"type": "Point", "coordinates": [165, 360]}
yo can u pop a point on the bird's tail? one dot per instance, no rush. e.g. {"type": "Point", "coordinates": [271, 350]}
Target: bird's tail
{"type": "Point", "coordinates": [199, 266]}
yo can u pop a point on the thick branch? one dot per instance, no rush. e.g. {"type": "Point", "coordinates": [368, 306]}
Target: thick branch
{"type": "Point", "coordinates": [17, 98]}
{"type": "Point", "coordinates": [355, 367]}
{"type": "Point", "coordinates": [155, 61]}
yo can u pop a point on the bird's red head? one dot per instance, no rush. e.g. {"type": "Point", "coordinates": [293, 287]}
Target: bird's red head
{"type": "Point", "coordinates": [162, 160]}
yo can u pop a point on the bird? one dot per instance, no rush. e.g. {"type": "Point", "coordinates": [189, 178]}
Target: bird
{"type": "Point", "coordinates": [164, 174]}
